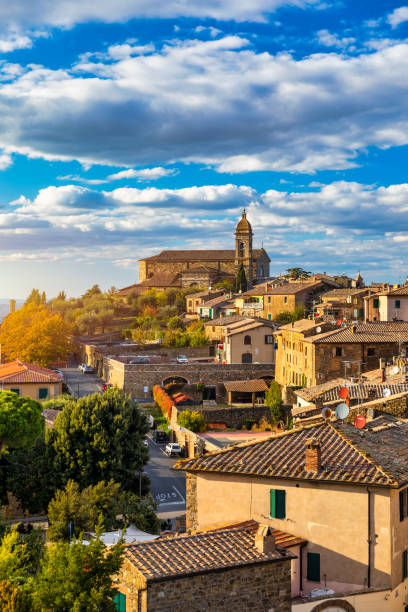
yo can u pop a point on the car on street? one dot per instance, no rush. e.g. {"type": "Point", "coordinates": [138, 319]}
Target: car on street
{"type": "Point", "coordinates": [140, 359]}
{"type": "Point", "coordinates": [181, 359]}
{"type": "Point", "coordinates": [87, 369]}
{"type": "Point", "coordinates": [145, 442]}
{"type": "Point", "coordinates": [81, 366]}
{"type": "Point", "coordinates": [173, 449]}
{"type": "Point", "coordinates": [160, 436]}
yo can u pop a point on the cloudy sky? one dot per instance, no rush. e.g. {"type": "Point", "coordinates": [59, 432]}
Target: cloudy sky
{"type": "Point", "coordinates": [130, 126]}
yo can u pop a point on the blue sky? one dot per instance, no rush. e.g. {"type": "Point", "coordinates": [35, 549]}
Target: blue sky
{"type": "Point", "coordinates": [133, 126]}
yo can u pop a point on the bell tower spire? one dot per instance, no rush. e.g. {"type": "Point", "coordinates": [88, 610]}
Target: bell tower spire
{"type": "Point", "coordinates": [243, 248]}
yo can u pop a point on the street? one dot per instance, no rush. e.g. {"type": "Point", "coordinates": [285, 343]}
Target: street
{"type": "Point", "coordinates": [82, 384]}
{"type": "Point", "coordinates": [168, 486]}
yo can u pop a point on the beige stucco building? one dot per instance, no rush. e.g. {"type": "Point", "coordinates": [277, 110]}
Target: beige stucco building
{"type": "Point", "coordinates": [343, 491]}
{"type": "Point", "coordinates": [249, 342]}
{"type": "Point", "coordinates": [30, 380]}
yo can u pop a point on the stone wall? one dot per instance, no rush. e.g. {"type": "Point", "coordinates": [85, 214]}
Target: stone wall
{"type": "Point", "coordinates": [255, 587]}
{"type": "Point", "coordinates": [191, 500]}
{"type": "Point", "coordinates": [133, 378]}
{"type": "Point", "coordinates": [233, 417]}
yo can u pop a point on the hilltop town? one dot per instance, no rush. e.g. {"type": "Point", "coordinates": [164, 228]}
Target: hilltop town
{"type": "Point", "coordinates": [247, 434]}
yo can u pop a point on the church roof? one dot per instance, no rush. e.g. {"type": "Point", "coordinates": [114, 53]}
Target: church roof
{"type": "Point", "coordinates": [243, 224]}
{"type": "Point", "coordinates": [199, 255]}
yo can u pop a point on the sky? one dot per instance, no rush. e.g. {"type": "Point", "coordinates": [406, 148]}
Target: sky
{"type": "Point", "coordinates": [132, 126]}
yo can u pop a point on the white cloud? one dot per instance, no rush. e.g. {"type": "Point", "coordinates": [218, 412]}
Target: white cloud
{"type": "Point", "coordinates": [144, 175]}
{"type": "Point", "coordinates": [398, 15]}
{"type": "Point", "coordinates": [216, 102]}
{"type": "Point", "coordinates": [12, 41]}
{"type": "Point", "coordinates": [329, 39]}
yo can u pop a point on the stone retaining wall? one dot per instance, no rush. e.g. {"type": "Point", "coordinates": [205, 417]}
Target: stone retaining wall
{"type": "Point", "coordinates": [133, 378]}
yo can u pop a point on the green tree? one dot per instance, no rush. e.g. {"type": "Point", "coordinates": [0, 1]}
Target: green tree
{"type": "Point", "coordinates": [241, 280]}
{"type": "Point", "coordinates": [21, 421]}
{"type": "Point", "coordinates": [94, 290]}
{"type": "Point", "coordinates": [78, 578]}
{"type": "Point", "coordinates": [194, 421]}
{"type": "Point", "coordinates": [288, 316]}
{"type": "Point", "coordinates": [297, 274]}
{"type": "Point", "coordinates": [34, 298]}
{"type": "Point", "coordinates": [138, 512]}
{"type": "Point", "coordinates": [175, 323]}
{"type": "Point", "coordinates": [43, 298]}
{"type": "Point", "coordinates": [105, 319]}
{"type": "Point", "coordinates": [13, 598]}
{"type": "Point", "coordinates": [273, 399]}
{"type": "Point", "coordinates": [228, 285]}
{"type": "Point", "coordinates": [20, 555]}
{"type": "Point", "coordinates": [62, 296]}
{"type": "Point", "coordinates": [99, 437]}
{"type": "Point", "coordinates": [87, 323]}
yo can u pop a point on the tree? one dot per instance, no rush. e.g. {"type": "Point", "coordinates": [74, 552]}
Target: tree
{"type": "Point", "coordinates": [21, 421]}
{"type": "Point", "coordinates": [99, 437]}
{"type": "Point", "coordinates": [241, 284]}
{"type": "Point", "coordinates": [94, 290]}
{"type": "Point", "coordinates": [105, 319]}
{"type": "Point", "coordinates": [62, 296]}
{"type": "Point", "coordinates": [273, 399]}
{"type": "Point", "coordinates": [138, 512]}
{"type": "Point", "coordinates": [194, 421]}
{"type": "Point", "coordinates": [13, 598]}
{"type": "Point", "coordinates": [228, 285]}
{"type": "Point", "coordinates": [20, 555]}
{"type": "Point", "coordinates": [36, 335]}
{"type": "Point", "coordinates": [87, 323]}
{"type": "Point", "coordinates": [290, 316]}
{"type": "Point", "coordinates": [34, 298]}
{"type": "Point", "coordinates": [78, 577]}
{"type": "Point", "coordinates": [175, 323]}
{"type": "Point", "coordinates": [297, 273]}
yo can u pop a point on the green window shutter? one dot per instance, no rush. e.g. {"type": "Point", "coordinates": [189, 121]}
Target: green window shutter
{"type": "Point", "coordinates": [120, 602]}
{"type": "Point", "coordinates": [376, 302]}
{"type": "Point", "coordinates": [405, 564]}
{"type": "Point", "coordinates": [42, 393]}
{"type": "Point", "coordinates": [313, 567]}
{"type": "Point", "coordinates": [273, 503]}
{"type": "Point", "coordinates": [401, 505]}
{"type": "Point", "coordinates": [280, 504]}
{"type": "Point", "coordinates": [16, 391]}
{"type": "Point", "coordinates": [397, 303]}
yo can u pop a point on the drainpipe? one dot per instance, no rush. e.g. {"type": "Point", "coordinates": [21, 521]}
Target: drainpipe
{"type": "Point", "coordinates": [369, 536]}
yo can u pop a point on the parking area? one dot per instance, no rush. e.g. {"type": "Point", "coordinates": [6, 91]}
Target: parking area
{"type": "Point", "coordinates": [81, 384]}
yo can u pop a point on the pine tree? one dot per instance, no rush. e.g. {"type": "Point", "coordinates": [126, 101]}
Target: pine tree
{"type": "Point", "coordinates": [241, 284]}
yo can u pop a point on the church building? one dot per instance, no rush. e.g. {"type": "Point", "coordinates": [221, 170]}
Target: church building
{"type": "Point", "coordinates": [203, 268]}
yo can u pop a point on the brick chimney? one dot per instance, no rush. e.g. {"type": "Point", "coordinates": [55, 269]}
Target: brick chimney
{"type": "Point", "coordinates": [312, 455]}
{"type": "Point", "coordinates": [354, 329]}
{"type": "Point", "coordinates": [265, 540]}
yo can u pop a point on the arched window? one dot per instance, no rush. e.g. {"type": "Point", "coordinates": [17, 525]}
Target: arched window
{"type": "Point", "coordinates": [247, 339]}
{"type": "Point", "coordinates": [242, 249]}
{"type": "Point", "coordinates": [246, 358]}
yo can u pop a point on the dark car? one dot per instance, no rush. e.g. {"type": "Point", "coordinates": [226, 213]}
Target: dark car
{"type": "Point", "coordinates": [160, 436]}
{"type": "Point", "coordinates": [140, 360]}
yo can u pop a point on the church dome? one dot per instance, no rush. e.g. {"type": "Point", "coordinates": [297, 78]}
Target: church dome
{"type": "Point", "coordinates": [243, 224]}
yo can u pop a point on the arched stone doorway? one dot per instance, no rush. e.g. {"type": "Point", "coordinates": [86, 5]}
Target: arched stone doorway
{"type": "Point", "coordinates": [334, 605]}
{"type": "Point", "coordinates": [174, 379]}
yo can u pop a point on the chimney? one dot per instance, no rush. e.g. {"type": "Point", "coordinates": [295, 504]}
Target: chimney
{"type": "Point", "coordinates": [265, 540]}
{"type": "Point", "coordinates": [353, 329]}
{"type": "Point", "coordinates": [382, 363]}
{"type": "Point", "coordinates": [382, 379]}
{"type": "Point", "coordinates": [312, 455]}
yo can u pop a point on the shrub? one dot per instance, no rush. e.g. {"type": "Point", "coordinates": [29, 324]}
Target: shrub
{"type": "Point", "coordinates": [249, 423]}
{"type": "Point", "coordinates": [162, 399]}
{"type": "Point", "coordinates": [194, 421]}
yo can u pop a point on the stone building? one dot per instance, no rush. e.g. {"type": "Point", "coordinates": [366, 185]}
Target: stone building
{"type": "Point", "coordinates": [344, 304]}
{"type": "Point", "coordinates": [342, 490]}
{"type": "Point", "coordinates": [310, 353]}
{"type": "Point", "coordinates": [252, 342]}
{"type": "Point", "coordinates": [223, 570]}
{"type": "Point", "coordinates": [203, 268]}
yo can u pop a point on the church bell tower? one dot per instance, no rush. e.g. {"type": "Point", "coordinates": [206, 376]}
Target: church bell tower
{"type": "Point", "coordinates": [243, 248]}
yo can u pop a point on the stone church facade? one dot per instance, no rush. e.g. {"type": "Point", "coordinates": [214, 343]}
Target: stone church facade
{"type": "Point", "coordinates": [204, 268]}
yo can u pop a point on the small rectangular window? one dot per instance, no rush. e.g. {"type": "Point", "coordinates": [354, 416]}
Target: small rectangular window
{"type": "Point", "coordinates": [17, 391]}
{"type": "Point", "coordinates": [370, 352]}
{"type": "Point", "coordinates": [397, 303]}
{"type": "Point", "coordinates": [405, 564]}
{"type": "Point", "coordinates": [313, 567]}
{"type": "Point", "coordinates": [42, 393]}
{"type": "Point", "coordinates": [376, 302]}
{"type": "Point", "coordinates": [268, 339]}
{"type": "Point", "coordinates": [269, 299]}
{"type": "Point", "coordinates": [401, 505]}
{"type": "Point", "coordinates": [278, 503]}
{"type": "Point", "coordinates": [285, 299]}
{"type": "Point", "coordinates": [338, 351]}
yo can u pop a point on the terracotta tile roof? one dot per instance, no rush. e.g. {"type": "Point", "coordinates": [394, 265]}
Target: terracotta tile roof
{"type": "Point", "coordinates": [21, 372]}
{"type": "Point", "coordinates": [238, 329]}
{"type": "Point", "coordinates": [206, 293]}
{"type": "Point", "coordinates": [229, 319]}
{"type": "Point", "coordinates": [198, 255]}
{"type": "Point", "coordinates": [169, 558]}
{"type": "Point", "coordinates": [365, 332]}
{"type": "Point", "coordinates": [395, 292]}
{"type": "Point", "coordinates": [288, 289]}
{"type": "Point", "coordinates": [282, 538]}
{"type": "Point", "coordinates": [343, 293]}
{"type": "Point", "coordinates": [161, 279]}
{"type": "Point", "coordinates": [246, 386]}
{"type": "Point", "coordinates": [217, 301]}
{"type": "Point", "coordinates": [347, 455]}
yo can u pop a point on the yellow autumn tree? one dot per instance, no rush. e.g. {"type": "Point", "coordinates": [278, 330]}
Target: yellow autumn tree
{"type": "Point", "coordinates": [36, 335]}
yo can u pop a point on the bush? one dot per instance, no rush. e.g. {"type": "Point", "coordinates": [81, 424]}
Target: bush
{"type": "Point", "coordinates": [194, 421]}
{"type": "Point", "coordinates": [249, 423]}
{"type": "Point", "coordinates": [162, 399]}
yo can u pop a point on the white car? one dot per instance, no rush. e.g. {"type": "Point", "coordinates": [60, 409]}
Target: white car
{"type": "Point", "coordinates": [173, 449]}
{"type": "Point", "coordinates": [181, 359]}
{"type": "Point", "coordinates": [81, 366]}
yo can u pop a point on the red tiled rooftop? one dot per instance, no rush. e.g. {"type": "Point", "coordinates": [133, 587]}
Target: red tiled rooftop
{"type": "Point", "coordinates": [21, 372]}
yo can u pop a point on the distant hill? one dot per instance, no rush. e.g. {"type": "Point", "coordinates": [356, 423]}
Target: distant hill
{"type": "Point", "coordinates": [5, 308]}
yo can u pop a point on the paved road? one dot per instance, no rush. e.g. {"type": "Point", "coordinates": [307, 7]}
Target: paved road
{"type": "Point", "coordinates": [82, 384]}
{"type": "Point", "coordinates": [168, 486]}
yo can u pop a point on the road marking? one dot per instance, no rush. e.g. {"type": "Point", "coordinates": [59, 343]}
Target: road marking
{"type": "Point", "coordinates": [161, 498]}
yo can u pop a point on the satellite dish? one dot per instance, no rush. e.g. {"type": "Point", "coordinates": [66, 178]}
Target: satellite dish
{"type": "Point", "coordinates": [326, 413]}
{"type": "Point", "coordinates": [386, 392]}
{"type": "Point", "coordinates": [395, 370]}
{"type": "Point", "coordinates": [342, 411]}
{"type": "Point", "coordinates": [318, 330]}
{"type": "Point", "coordinates": [360, 421]}
{"type": "Point", "coordinates": [343, 392]}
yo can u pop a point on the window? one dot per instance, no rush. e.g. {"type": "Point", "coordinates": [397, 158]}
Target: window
{"type": "Point", "coordinates": [338, 351]}
{"type": "Point", "coordinates": [306, 350]}
{"type": "Point", "coordinates": [397, 303]}
{"type": "Point", "coordinates": [403, 504]}
{"type": "Point", "coordinates": [120, 602]}
{"type": "Point", "coordinates": [246, 358]}
{"type": "Point", "coordinates": [190, 303]}
{"type": "Point", "coordinates": [376, 303]}
{"type": "Point", "coordinates": [269, 316]}
{"type": "Point", "coordinates": [269, 299]}
{"type": "Point", "coordinates": [278, 503]}
{"type": "Point", "coordinates": [370, 352]}
{"type": "Point", "coordinates": [247, 339]}
{"type": "Point", "coordinates": [42, 393]}
{"type": "Point", "coordinates": [17, 391]}
{"type": "Point", "coordinates": [285, 299]}
{"type": "Point", "coordinates": [268, 339]}
{"type": "Point", "coordinates": [313, 567]}
{"type": "Point", "coordinates": [405, 564]}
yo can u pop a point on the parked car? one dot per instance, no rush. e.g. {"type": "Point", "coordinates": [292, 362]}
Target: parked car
{"type": "Point", "coordinates": [140, 360]}
{"type": "Point", "coordinates": [145, 442]}
{"type": "Point", "coordinates": [87, 369]}
{"type": "Point", "coordinates": [106, 385]}
{"type": "Point", "coordinates": [81, 366]}
{"type": "Point", "coordinates": [181, 359]}
{"type": "Point", "coordinates": [173, 449]}
{"type": "Point", "coordinates": [160, 436]}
